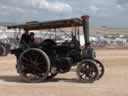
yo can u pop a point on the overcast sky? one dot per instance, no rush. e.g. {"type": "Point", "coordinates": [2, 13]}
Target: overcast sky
{"type": "Point", "coordinates": [102, 12]}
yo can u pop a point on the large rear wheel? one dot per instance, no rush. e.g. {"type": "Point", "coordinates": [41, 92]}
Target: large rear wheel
{"type": "Point", "coordinates": [33, 65]}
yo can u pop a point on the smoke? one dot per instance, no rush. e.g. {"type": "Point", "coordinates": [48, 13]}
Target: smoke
{"type": "Point", "coordinates": [123, 3]}
{"type": "Point", "coordinates": [51, 6]}
{"type": "Point", "coordinates": [54, 6]}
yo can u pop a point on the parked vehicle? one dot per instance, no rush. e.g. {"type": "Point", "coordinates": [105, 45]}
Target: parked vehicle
{"type": "Point", "coordinates": [4, 49]}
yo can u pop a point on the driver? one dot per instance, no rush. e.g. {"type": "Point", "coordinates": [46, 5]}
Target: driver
{"type": "Point", "coordinates": [32, 37]}
{"type": "Point", "coordinates": [25, 38]}
{"type": "Point", "coordinates": [75, 49]}
{"type": "Point", "coordinates": [75, 43]}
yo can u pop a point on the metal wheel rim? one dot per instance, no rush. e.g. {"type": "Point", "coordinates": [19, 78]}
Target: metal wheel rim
{"type": "Point", "coordinates": [100, 68]}
{"type": "Point", "coordinates": [33, 76]}
{"type": "Point", "coordinates": [87, 71]}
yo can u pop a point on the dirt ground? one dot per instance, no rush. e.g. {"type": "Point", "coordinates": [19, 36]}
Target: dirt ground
{"type": "Point", "coordinates": [113, 83]}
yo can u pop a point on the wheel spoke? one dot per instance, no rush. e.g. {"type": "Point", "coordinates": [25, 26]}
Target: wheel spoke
{"type": "Point", "coordinates": [87, 71]}
{"type": "Point", "coordinates": [36, 65]}
{"type": "Point", "coordinates": [25, 59]}
{"type": "Point", "coordinates": [100, 68]}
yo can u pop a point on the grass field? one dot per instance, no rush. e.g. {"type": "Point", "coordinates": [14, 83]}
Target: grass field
{"type": "Point", "coordinates": [113, 83]}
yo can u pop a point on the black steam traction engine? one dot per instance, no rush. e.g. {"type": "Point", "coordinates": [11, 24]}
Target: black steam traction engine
{"type": "Point", "coordinates": [47, 59]}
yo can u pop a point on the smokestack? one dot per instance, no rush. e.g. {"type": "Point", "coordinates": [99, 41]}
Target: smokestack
{"type": "Point", "coordinates": [85, 21]}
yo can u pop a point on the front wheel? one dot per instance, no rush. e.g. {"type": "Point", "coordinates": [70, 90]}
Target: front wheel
{"type": "Point", "coordinates": [100, 68]}
{"type": "Point", "coordinates": [33, 65]}
{"type": "Point", "coordinates": [87, 71]}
